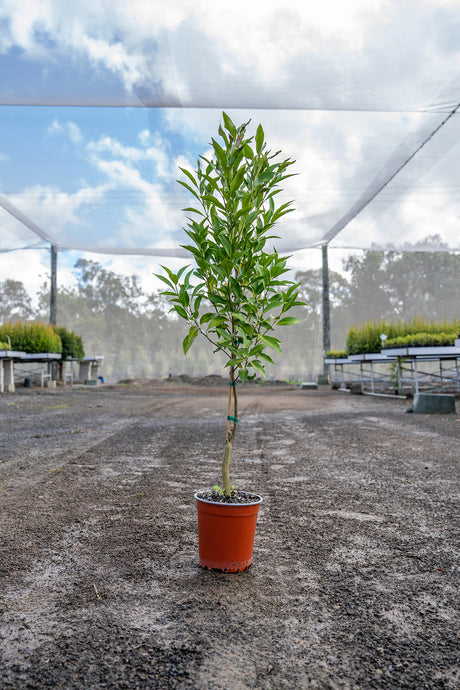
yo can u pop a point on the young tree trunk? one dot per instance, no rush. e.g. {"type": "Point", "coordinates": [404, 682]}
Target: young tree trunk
{"type": "Point", "coordinates": [226, 468]}
{"type": "Point", "coordinates": [231, 432]}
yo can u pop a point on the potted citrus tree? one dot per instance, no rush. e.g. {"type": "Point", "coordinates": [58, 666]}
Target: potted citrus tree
{"type": "Point", "coordinates": [235, 294]}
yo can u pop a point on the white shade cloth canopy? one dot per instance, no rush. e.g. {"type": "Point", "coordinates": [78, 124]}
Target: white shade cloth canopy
{"type": "Point", "coordinates": [102, 101]}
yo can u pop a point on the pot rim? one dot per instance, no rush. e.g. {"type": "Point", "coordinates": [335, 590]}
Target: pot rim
{"type": "Point", "coordinates": [257, 501]}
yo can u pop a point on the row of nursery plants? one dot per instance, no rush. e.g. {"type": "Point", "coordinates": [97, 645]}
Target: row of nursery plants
{"type": "Point", "coordinates": [36, 337]}
{"type": "Point", "coordinates": [421, 340]}
{"type": "Point", "coordinates": [366, 338]}
{"type": "Point", "coordinates": [336, 354]}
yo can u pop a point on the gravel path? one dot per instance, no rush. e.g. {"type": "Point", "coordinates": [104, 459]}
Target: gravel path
{"type": "Point", "coordinates": [355, 575]}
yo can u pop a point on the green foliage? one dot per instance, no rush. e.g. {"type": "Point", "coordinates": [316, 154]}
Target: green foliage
{"type": "Point", "coordinates": [4, 345]}
{"type": "Point", "coordinates": [366, 338]}
{"type": "Point", "coordinates": [336, 354]}
{"type": "Point", "coordinates": [236, 294]}
{"type": "Point", "coordinates": [72, 344]}
{"type": "Point", "coordinates": [422, 339]}
{"type": "Point", "coordinates": [31, 337]}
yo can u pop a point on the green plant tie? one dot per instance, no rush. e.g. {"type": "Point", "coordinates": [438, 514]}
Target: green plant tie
{"type": "Point", "coordinates": [232, 419]}
{"type": "Point", "coordinates": [232, 383]}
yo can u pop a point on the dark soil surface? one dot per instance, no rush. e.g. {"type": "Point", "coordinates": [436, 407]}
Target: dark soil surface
{"type": "Point", "coordinates": [355, 576]}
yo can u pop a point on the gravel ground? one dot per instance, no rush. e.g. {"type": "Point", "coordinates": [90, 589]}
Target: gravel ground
{"type": "Point", "coordinates": [355, 576]}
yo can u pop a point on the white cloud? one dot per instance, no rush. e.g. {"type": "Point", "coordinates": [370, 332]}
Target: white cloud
{"type": "Point", "coordinates": [296, 50]}
{"type": "Point", "coordinates": [154, 149]}
{"type": "Point", "coordinates": [69, 129]}
{"type": "Point", "coordinates": [115, 57]}
{"type": "Point", "coordinates": [108, 145]}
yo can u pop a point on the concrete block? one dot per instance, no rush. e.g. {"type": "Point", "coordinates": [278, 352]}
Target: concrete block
{"type": "Point", "coordinates": [91, 382]}
{"type": "Point", "coordinates": [429, 403]}
{"type": "Point", "coordinates": [309, 386]}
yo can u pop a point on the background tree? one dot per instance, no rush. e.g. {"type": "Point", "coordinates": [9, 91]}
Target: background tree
{"type": "Point", "coordinates": [311, 292]}
{"type": "Point", "coordinates": [15, 303]}
{"type": "Point", "coordinates": [401, 285]}
{"type": "Point", "coordinates": [131, 328]}
{"type": "Point", "coordinates": [426, 283]}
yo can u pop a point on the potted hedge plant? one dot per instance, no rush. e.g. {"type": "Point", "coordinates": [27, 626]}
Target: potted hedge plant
{"type": "Point", "coordinates": [234, 295]}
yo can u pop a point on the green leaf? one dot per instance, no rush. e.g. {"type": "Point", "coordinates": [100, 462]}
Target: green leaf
{"type": "Point", "coordinates": [216, 321]}
{"type": "Point", "coordinates": [187, 186]}
{"type": "Point", "coordinates": [229, 125]}
{"type": "Point", "coordinates": [174, 279]}
{"type": "Point", "coordinates": [181, 271]}
{"type": "Point", "coordinates": [238, 179]}
{"type": "Point", "coordinates": [206, 317]}
{"type": "Point", "coordinates": [183, 296]}
{"type": "Point", "coordinates": [189, 338]}
{"type": "Point", "coordinates": [196, 306]}
{"type": "Point", "coordinates": [165, 280]}
{"type": "Point", "coordinates": [271, 342]}
{"type": "Point", "coordinates": [223, 134]}
{"type": "Point", "coordinates": [267, 358]}
{"type": "Point", "coordinates": [257, 365]}
{"type": "Point", "coordinates": [189, 175]}
{"type": "Point", "coordinates": [243, 374]}
{"type": "Point", "coordinates": [181, 311]}
{"type": "Point", "coordinates": [273, 302]}
{"type": "Point", "coordinates": [288, 321]}
{"type": "Point", "coordinates": [212, 200]}
{"type": "Point", "coordinates": [259, 138]}
{"type": "Point", "coordinates": [193, 210]}
{"type": "Point", "coordinates": [220, 154]}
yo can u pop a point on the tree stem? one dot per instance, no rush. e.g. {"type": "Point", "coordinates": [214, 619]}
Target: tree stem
{"type": "Point", "coordinates": [231, 432]}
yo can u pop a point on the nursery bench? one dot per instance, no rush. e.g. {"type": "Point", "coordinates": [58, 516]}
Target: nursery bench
{"type": "Point", "coordinates": [7, 360]}
{"type": "Point", "coordinates": [89, 367]}
{"type": "Point", "coordinates": [45, 360]}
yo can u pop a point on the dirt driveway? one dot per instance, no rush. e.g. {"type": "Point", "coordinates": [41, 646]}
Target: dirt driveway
{"type": "Point", "coordinates": [355, 575]}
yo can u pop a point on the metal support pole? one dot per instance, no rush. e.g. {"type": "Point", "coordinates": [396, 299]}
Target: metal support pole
{"type": "Point", "coordinates": [53, 289]}
{"type": "Point", "coordinates": [326, 309]}
{"type": "Point", "coordinates": [416, 375]}
{"type": "Point", "coordinates": [400, 380]}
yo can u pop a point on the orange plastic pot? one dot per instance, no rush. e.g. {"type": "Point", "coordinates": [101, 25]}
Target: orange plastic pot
{"type": "Point", "coordinates": [226, 534]}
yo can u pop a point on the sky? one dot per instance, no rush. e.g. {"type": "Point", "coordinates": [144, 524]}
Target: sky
{"type": "Point", "coordinates": [101, 101]}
